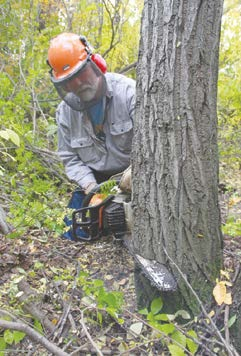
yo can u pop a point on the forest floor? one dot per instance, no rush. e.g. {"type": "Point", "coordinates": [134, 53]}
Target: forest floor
{"type": "Point", "coordinates": [52, 291]}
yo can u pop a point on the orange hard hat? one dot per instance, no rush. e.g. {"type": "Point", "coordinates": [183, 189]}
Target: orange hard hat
{"type": "Point", "coordinates": [66, 54]}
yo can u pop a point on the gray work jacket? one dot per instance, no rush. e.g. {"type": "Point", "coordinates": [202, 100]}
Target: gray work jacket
{"type": "Point", "coordinates": [78, 147]}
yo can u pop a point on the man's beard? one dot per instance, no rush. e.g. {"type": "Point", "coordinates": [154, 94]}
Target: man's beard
{"type": "Point", "coordinates": [88, 93]}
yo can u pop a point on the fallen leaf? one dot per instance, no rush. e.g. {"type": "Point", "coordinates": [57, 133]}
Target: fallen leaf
{"type": "Point", "coordinates": [219, 292]}
{"type": "Point", "coordinates": [225, 274]}
{"type": "Point", "coordinates": [211, 314]}
{"type": "Point", "coordinates": [123, 282]}
{"type": "Point", "coordinates": [228, 299]}
{"type": "Point", "coordinates": [136, 328]}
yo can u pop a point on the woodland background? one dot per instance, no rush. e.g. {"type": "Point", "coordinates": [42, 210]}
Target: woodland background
{"type": "Point", "coordinates": [34, 190]}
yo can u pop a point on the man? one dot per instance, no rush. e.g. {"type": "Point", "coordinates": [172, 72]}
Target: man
{"type": "Point", "coordinates": [95, 118]}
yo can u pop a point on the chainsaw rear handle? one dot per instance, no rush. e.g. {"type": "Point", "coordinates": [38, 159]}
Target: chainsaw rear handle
{"type": "Point", "coordinates": [90, 224]}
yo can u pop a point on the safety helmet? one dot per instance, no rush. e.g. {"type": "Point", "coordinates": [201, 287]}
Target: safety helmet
{"type": "Point", "coordinates": [66, 53]}
{"type": "Point", "coordinates": [70, 57]}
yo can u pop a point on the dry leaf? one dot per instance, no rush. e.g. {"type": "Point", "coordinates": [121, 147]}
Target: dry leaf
{"type": "Point", "coordinates": [136, 328]}
{"type": "Point", "coordinates": [211, 314]}
{"type": "Point", "coordinates": [225, 274]}
{"type": "Point", "coordinates": [123, 282]}
{"type": "Point", "coordinates": [219, 292]}
{"type": "Point", "coordinates": [228, 299]}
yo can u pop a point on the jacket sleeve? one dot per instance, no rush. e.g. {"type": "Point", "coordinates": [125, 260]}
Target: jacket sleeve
{"type": "Point", "coordinates": [75, 169]}
{"type": "Point", "coordinates": [131, 98]}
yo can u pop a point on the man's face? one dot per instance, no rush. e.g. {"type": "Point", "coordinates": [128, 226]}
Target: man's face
{"type": "Point", "coordinates": [85, 85]}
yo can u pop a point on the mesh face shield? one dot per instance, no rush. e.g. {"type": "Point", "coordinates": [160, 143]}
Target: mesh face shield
{"type": "Point", "coordinates": [82, 88]}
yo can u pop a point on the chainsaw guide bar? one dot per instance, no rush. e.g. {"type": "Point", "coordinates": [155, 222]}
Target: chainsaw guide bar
{"type": "Point", "coordinates": [157, 273]}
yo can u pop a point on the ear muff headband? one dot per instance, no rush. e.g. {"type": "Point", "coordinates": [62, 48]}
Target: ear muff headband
{"type": "Point", "coordinates": [96, 58]}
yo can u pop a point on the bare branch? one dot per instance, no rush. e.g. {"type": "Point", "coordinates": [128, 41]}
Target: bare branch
{"type": "Point", "coordinates": [128, 68]}
{"type": "Point", "coordinates": [34, 335]}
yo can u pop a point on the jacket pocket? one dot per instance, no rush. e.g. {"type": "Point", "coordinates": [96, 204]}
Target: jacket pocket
{"type": "Point", "coordinates": [86, 149]}
{"type": "Point", "coordinates": [122, 134]}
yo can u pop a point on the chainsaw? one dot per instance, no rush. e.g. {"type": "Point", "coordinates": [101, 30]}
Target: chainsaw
{"type": "Point", "coordinates": [111, 215]}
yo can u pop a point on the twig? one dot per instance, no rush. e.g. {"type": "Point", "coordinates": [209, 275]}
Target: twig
{"type": "Point", "coordinates": [127, 68]}
{"type": "Point", "coordinates": [32, 307]}
{"type": "Point", "coordinates": [226, 317]}
{"type": "Point", "coordinates": [71, 319]}
{"type": "Point", "coordinates": [66, 313]}
{"type": "Point", "coordinates": [34, 335]}
{"type": "Point", "coordinates": [88, 334]}
{"type": "Point", "coordinates": [84, 348]}
{"type": "Point", "coordinates": [67, 306]}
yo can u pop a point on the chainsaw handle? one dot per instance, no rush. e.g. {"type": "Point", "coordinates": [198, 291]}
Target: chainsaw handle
{"type": "Point", "coordinates": [89, 224]}
{"type": "Point", "coordinates": [93, 191]}
{"type": "Point", "coordinates": [89, 196]}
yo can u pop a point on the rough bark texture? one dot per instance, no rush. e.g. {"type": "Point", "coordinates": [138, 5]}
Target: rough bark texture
{"type": "Point", "coordinates": [175, 155]}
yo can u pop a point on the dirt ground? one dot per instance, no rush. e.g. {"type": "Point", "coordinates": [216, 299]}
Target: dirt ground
{"type": "Point", "coordinates": [40, 258]}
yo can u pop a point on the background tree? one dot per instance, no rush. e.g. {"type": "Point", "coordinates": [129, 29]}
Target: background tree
{"type": "Point", "coordinates": [175, 158]}
{"type": "Point", "coordinates": [229, 104]}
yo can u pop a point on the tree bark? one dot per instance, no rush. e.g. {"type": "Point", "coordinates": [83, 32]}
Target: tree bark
{"type": "Point", "coordinates": [175, 154]}
{"type": "Point", "coordinates": [4, 226]}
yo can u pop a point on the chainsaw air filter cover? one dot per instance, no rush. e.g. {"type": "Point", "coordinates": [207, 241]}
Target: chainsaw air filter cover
{"type": "Point", "coordinates": [114, 219]}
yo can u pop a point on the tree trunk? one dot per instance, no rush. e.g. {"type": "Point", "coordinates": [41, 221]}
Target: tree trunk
{"type": "Point", "coordinates": [4, 227]}
{"type": "Point", "coordinates": [175, 155]}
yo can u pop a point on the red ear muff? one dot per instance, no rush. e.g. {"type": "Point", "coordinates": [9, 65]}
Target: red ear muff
{"type": "Point", "coordinates": [96, 58]}
{"type": "Point", "coordinates": [99, 61]}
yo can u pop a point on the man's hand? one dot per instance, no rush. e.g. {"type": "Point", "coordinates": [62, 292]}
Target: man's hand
{"type": "Point", "coordinates": [90, 187]}
{"type": "Point", "coordinates": [125, 182]}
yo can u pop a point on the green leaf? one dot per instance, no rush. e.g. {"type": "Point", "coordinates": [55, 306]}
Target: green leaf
{"type": "Point", "coordinates": [13, 137]}
{"type": "Point", "coordinates": [183, 313]}
{"type": "Point", "coordinates": [176, 350]}
{"type": "Point", "coordinates": [3, 344]}
{"type": "Point", "coordinates": [100, 317]}
{"type": "Point", "coordinates": [8, 337]}
{"type": "Point", "coordinates": [38, 265]}
{"type": "Point", "coordinates": [179, 338]}
{"type": "Point", "coordinates": [98, 283]}
{"type": "Point", "coordinates": [18, 336]}
{"type": "Point", "coordinates": [192, 345]}
{"type": "Point", "coordinates": [166, 328]}
{"type": "Point", "coordinates": [120, 321]}
{"type": "Point", "coordinates": [112, 312]}
{"type": "Point", "coordinates": [4, 134]}
{"type": "Point", "coordinates": [143, 311]}
{"type": "Point", "coordinates": [232, 320]}
{"type": "Point", "coordinates": [156, 305]}
{"type": "Point", "coordinates": [38, 326]}
{"type": "Point", "coordinates": [162, 317]}
{"type": "Point", "coordinates": [150, 317]}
